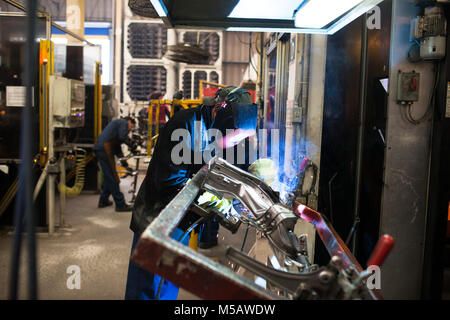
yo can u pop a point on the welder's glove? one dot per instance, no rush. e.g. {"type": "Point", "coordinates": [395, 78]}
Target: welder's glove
{"type": "Point", "coordinates": [265, 170]}
{"type": "Point", "coordinates": [209, 201]}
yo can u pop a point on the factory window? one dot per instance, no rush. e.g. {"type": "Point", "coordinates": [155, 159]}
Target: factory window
{"type": "Point", "coordinates": [209, 41]}
{"type": "Point", "coordinates": [147, 40]}
{"type": "Point", "coordinates": [198, 75]}
{"type": "Point", "coordinates": [214, 77]}
{"type": "Point", "coordinates": [142, 80]}
{"type": "Point", "coordinates": [187, 84]}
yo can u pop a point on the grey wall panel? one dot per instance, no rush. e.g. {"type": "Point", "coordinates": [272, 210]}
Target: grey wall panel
{"type": "Point", "coordinates": [235, 57]}
{"type": "Point", "coordinates": [406, 168]}
{"type": "Point", "coordinates": [95, 10]}
{"type": "Point", "coordinates": [236, 46]}
{"type": "Point", "coordinates": [233, 74]}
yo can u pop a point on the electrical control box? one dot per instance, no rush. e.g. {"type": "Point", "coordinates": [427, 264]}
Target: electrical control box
{"type": "Point", "coordinates": [408, 86]}
{"type": "Point", "coordinates": [67, 101]}
{"type": "Point", "coordinates": [297, 114]}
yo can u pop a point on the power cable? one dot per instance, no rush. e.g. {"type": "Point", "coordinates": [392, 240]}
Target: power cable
{"type": "Point", "coordinates": [181, 239]}
{"type": "Point", "coordinates": [24, 201]}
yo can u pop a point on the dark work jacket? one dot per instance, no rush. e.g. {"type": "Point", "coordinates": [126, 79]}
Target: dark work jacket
{"type": "Point", "coordinates": [114, 134]}
{"type": "Point", "coordinates": [164, 179]}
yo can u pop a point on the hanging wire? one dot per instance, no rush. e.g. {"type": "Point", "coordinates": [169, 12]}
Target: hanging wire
{"type": "Point", "coordinates": [236, 266]}
{"type": "Point", "coordinates": [181, 239]}
{"type": "Point", "coordinates": [24, 201]}
{"type": "Point", "coordinates": [250, 57]}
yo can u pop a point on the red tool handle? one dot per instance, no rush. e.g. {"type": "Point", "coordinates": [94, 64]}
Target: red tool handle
{"type": "Point", "coordinates": [381, 251]}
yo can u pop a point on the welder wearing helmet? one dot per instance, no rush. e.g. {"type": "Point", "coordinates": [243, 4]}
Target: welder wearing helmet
{"type": "Point", "coordinates": [177, 96]}
{"type": "Point", "coordinates": [165, 177]}
{"type": "Point", "coordinates": [208, 231]}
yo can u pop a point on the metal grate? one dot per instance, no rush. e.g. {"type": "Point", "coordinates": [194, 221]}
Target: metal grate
{"type": "Point", "coordinates": [214, 77]}
{"type": "Point", "coordinates": [147, 40]}
{"type": "Point", "coordinates": [198, 75]}
{"type": "Point", "coordinates": [142, 80]}
{"type": "Point", "coordinates": [187, 84]}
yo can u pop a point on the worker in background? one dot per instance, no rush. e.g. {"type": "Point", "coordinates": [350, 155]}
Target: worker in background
{"type": "Point", "coordinates": [164, 178]}
{"type": "Point", "coordinates": [177, 96]}
{"type": "Point", "coordinates": [109, 145]}
{"type": "Point", "coordinates": [164, 114]}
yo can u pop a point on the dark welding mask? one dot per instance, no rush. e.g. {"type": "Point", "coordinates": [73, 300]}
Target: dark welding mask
{"type": "Point", "coordinates": [237, 116]}
{"type": "Point", "coordinates": [237, 111]}
{"type": "Point", "coordinates": [245, 116]}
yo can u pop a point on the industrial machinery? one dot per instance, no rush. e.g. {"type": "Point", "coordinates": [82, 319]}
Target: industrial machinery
{"type": "Point", "coordinates": [67, 97]}
{"type": "Point", "coordinates": [430, 30]}
{"type": "Point", "coordinates": [257, 205]}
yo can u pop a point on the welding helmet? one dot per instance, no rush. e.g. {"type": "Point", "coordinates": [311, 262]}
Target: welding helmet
{"type": "Point", "coordinates": [238, 112]}
{"type": "Point", "coordinates": [178, 95]}
{"type": "Point", "coordinates": [222, 93]}
{"type": "Point", "coordinates": [239, 95]}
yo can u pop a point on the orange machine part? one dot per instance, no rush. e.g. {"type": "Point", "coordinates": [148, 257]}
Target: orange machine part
{"type": "Point", "coordinates": [448, 221]}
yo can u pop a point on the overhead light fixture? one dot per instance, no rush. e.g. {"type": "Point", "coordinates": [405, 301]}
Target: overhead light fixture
{"type": "Point", "coordinates": [317, 14]}
{"type": "Point", "coordinates": [311, 16]}
{"type": "Point", "coordinates": [269, 29]}
{"type": "Point", "coordinates": [264, 9]}
{"type": "Point", "coordinates": [159, 7]}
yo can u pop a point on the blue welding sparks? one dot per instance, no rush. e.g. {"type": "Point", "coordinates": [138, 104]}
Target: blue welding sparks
{"type": "Point", "coordinates": [289, 172]}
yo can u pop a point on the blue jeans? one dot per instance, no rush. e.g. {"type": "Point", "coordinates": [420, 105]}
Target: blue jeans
{"type": "Point", "coordinates": [208, 231]}
{"type": "Point", "coordinates": [110, 185]}
{"type": "Point", "coordinates": [144, 285]}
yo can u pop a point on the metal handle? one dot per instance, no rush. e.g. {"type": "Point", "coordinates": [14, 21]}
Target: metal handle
{"type": "Point", "coordinates": [381, 251]}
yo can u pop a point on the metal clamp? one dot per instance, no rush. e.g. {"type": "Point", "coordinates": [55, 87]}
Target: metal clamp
{"type": "Point", "coordinates": [206, 278]}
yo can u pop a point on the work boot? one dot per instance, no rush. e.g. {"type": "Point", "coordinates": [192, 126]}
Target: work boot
{"type": "Point", "coordinates": [102, 204]}
{"type": "Point", "coordinates": [208, 244]}
{"type": "Point", "coordinates": [124, 208]}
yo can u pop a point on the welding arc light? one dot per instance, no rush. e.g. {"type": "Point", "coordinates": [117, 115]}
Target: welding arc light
{"type": "Point", "coordinates": [319, 13]}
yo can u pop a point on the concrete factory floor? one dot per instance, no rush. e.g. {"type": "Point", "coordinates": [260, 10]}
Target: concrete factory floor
{"type": "Point", "coordinates": [99, 242]}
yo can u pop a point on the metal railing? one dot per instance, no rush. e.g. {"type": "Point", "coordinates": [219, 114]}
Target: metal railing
{"type": "Point", "coordinates": [153, 122]}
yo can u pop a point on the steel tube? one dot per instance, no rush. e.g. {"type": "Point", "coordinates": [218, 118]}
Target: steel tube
{"type": "Point", "coordinates": [362, 116]}
{"type": "Point", "coordinates": [62, 195]}
{"type": "Point", "coordinates": [41, 181]}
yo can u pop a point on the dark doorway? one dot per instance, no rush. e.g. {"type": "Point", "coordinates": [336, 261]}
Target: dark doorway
{"type": "Point", "coordinates": [357, 71]}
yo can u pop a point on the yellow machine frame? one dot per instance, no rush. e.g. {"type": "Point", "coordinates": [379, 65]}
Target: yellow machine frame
{"type": "Point", "coordinates": [46, 68]}
{"type": "Point", "coordinates": [185, 103]}
{"type": "Point", "coordinates": [98, 101]}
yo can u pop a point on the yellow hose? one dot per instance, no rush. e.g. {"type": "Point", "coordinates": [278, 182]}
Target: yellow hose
{"type": "Point", "coordinates": [9, 196]}
{"type": "Point", "coordinates": [74, 191]}
{"type": "Point", "coordinates": [12, 191]}
{"type": "Point", "coordinates": [72, 173]}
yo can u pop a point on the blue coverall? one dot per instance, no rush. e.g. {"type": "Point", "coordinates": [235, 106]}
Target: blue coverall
{"type": "Point", "coordinates": [162, 182]}
{"type": "Point", "coordinates": [114, 134]}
